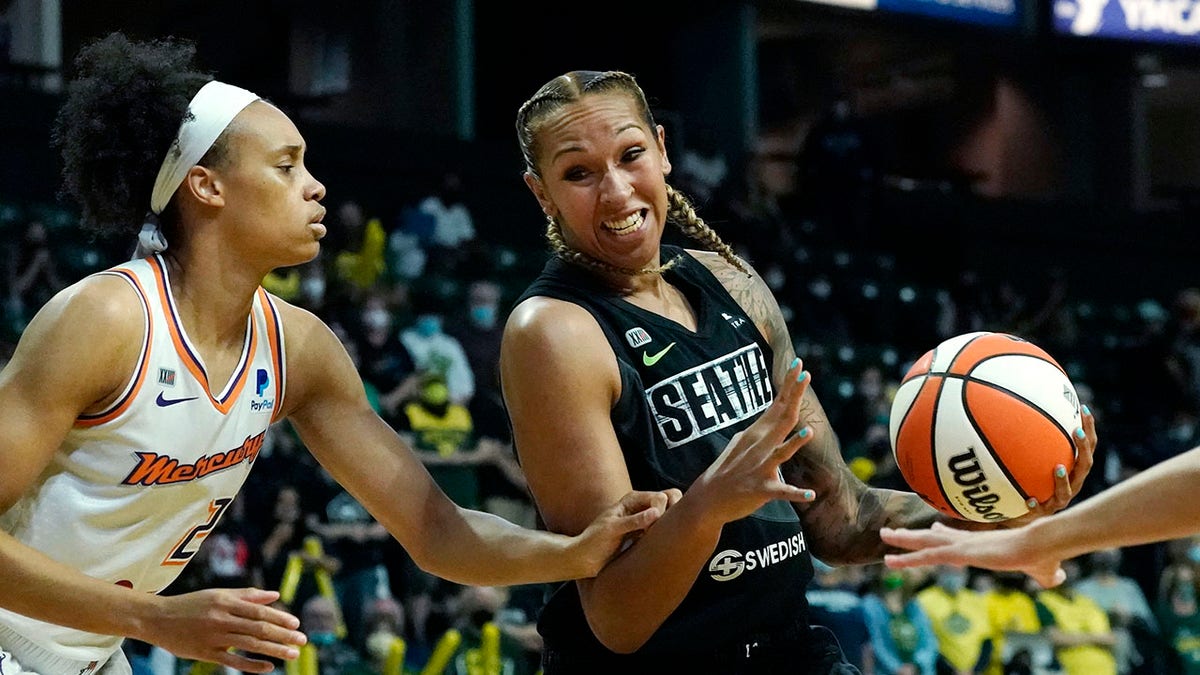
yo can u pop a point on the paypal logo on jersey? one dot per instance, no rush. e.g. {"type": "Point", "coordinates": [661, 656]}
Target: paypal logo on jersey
{"type": "Point", "coordinates": [262, 382]}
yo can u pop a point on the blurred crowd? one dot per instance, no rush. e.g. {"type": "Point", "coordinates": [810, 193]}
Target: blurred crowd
{"type": "Point", "coordinates": [419, 293]}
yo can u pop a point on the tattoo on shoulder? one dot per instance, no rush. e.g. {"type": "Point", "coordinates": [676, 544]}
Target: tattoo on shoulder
{"type": "Point", "coordinates": [753, 295]}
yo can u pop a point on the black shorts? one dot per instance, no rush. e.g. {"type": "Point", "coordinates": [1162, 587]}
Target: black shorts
{"type": "Point", "coordinates": [794, 650]}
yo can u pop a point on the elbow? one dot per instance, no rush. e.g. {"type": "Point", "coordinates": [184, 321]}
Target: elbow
{"type": "Point", "coordinates": [618, 634]}
{"type": "Point", "coordinates": [620, 641]}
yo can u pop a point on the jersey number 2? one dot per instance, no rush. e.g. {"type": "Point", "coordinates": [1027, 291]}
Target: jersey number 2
{"type": "Point", "coordinates": [187, 546]}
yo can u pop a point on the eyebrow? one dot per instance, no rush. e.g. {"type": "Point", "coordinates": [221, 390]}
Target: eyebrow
{"type": "Point", "coordinates": [577, 148]}
{"type": "Point", "coordinates": [291, 149]}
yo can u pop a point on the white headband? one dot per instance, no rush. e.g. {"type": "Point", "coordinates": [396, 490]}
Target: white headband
{"type": "Point", "coordinates": [211, 110]}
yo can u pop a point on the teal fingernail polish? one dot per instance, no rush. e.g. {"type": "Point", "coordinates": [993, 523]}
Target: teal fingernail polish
{"type": "Point", "coordinates": [1060, 471]}
{"type": "Point", "coordinates": [804, 432]}
{"type": "Point", "coordinates": [1087, 410]}
{"type": "Point", "coordinates": [795, 362]}
{"type": "Point", "coordinates": [801, 376]}
{"type": "Point", "coordinates": [809, 494]}
{"type": "Point", "coordinates": [1032, 503]}
{"type": "Point", "coordinates": [1079, 433]}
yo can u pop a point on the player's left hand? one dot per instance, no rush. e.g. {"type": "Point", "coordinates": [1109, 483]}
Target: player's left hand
{"type": "Point", "coordinates": [1066, 484]}
{"type": "Point", "coordinates": [1011, 550]}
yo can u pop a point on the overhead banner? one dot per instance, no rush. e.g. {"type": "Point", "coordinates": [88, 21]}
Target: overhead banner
{"type": "Point", "coordinates": [1147, 20]}
{"type": "Point", "coordinates": [998, 13]}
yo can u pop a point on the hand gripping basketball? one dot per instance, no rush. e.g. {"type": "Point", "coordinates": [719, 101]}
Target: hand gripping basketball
{"type": "Point", "coordinates": [987, 426]}
{"type": "Point", "coordinates": [746, 475]}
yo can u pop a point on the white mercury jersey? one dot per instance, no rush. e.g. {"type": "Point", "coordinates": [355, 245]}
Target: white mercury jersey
{"type": "Point", "coordinates": [134, 490]}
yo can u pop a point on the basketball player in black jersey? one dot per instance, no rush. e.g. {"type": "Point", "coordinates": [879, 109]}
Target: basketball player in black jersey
{"type": "Point", "coordinates": [629, 363]}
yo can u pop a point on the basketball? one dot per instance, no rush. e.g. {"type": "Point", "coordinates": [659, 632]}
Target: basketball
{"type": "Point", "coordinates": [979, 423]}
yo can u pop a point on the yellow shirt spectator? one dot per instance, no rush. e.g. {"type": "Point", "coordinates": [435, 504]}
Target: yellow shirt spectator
{"type": "Point", "coordinates": [960, 620]}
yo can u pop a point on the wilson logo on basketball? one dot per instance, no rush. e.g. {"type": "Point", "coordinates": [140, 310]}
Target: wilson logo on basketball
{"type": "Point", "coordinates": [156, 469]}
{"type": "Point", "coordinates": [1070, 396]}
{"type": "Point", "coordinates": [966, 472]}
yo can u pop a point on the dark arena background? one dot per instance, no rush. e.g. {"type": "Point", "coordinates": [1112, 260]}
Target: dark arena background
{"type": "Point", "coordinates": [899, 171]}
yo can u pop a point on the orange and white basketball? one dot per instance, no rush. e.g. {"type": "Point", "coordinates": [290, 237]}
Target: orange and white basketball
{"type": "Point", "coordinates": [979, 424]}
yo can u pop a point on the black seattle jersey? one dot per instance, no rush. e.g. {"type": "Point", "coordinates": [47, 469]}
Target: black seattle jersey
{"type": "Point", "coordinates": [683, 396]}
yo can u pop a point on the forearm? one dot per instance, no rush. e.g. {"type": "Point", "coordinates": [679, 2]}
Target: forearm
{"type": "Point", "coordinates": [480, 549]}
{"type": "Point", "coordinates": [631, 597]}
{"type": "Point", "coordinates": [846, 527]}
{"type": "Point", "coordinates": [45, 589]}
{"type": "Point", "coordinates": [1157, 504]}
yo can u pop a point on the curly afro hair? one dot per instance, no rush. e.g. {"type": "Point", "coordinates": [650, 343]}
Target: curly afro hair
{"type": "Point", "coordinates": [123, 108]}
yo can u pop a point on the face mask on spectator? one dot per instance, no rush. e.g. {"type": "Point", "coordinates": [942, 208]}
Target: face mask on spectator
{"type": "Point", "coordinates": [484, 316]}
{"type": "Point", "coordinates": [314, 288]}
{"type": "Point", "coordinates": [377, 319]}
{"type": "Point", "coordinates": [322, 638]}
{"type": "Point", "coordinates": [952, 581]}
{"type": "Point", "coordinates": [428, 325]}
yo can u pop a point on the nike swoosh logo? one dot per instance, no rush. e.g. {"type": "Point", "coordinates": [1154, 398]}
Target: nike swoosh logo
{"type": "Point", "coordinates": [649, 360]}
{"type": "Point", "coordinates": [164, 402]}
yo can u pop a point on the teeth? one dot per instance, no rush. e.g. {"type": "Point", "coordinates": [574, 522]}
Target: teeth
{"type": "Point", "coordinates": [627, 224]}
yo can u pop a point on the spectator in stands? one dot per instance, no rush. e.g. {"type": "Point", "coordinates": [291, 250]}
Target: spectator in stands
{"type": "Point", "coordinates": [902, 637]}
{"type": "Point", "coordinates": [352, 536]}
{"type": "Point", "coordinates": [319, 621]}
{"type": "Point", "coordinates": [1128, 610]}
{"type": "Point", "coordinates": [385, 625]}
{"type": "Point", "coordinates": [959, 617]}
{"type": "Point", "coordinates": [361, 264]}
{"type": "Point", "coordinates": [1178, 616]}
{"type": "Point", "coordinates": [443, 434]}
{"type": "Point", "coordinates": [33, 274]}
{"type": "Point", "coordinates": [835, 602]}
{"type": "Point", "coordinates": [1015, 625]}
{"type": "Point", "coordinates": [479, 331]}
{"type": "Point", "coordinates": [432, 350]}
{"type": "Point", "coordinates": [453, 225]}
{"type": "Point", "coordinates": [474, 608]}
{"type": "Point", "coordinates": [1077, 627]}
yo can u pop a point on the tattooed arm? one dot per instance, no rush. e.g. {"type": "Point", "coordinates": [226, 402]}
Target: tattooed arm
{"type": "Point", "coordinates": [843, 522]}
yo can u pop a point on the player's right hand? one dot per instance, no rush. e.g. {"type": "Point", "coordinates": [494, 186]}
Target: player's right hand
{"type": "Point", "coordinates": [746, 475]}
{"type": "Point", "coordinates": [621, 524]}
{"type": "Point", "coordinates": [207, 625]}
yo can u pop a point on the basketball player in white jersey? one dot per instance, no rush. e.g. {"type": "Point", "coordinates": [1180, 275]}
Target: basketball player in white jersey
{"type": "Point", "coordinates": [137, 399]}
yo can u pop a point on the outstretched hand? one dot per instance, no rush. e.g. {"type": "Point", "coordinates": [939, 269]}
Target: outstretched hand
{"type": "Point", "coordinates": [746, 475]}
{"type": "Point", "coordinates": [621, 524]}
{"type": "Point", "coordinates": [1001, 550]}
{"type": "Point", "coordinates": [225, 626]}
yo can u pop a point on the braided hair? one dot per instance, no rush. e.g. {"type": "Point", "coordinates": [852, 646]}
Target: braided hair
{"type": "Point", "coordinates": [569, 88]}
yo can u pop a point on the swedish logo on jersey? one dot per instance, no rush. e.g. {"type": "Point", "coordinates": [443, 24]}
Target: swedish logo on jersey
{"type": "Point", "coordinates": [711, 396]}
